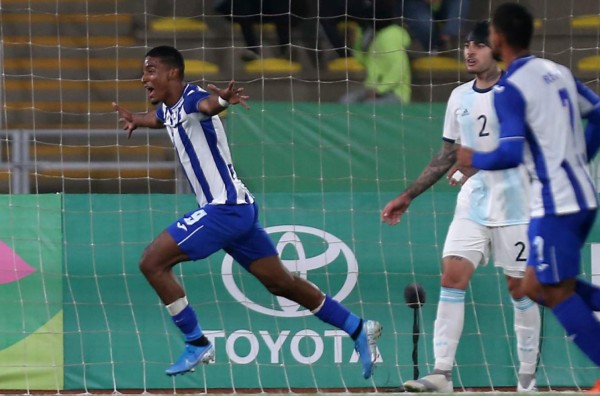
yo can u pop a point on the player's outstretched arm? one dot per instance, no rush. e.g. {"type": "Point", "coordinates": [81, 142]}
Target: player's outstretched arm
{"type": "Point", "coordinates": [222, 98]}
{"type": "Point", "coordinates": [132, 121]}
{"type": "Point", "coordinates": [437, 167]}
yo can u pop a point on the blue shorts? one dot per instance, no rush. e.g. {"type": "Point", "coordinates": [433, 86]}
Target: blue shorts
{"type": "Point", "coordinates": [233, 228]}
{"type": "Point", "coordinates": [555, 245]}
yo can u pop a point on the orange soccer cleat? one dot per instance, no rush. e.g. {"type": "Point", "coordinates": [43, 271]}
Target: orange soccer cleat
{"type": "Point", "coordinates": [595, 388]}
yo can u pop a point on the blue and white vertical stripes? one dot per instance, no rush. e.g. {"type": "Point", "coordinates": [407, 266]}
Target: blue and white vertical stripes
{"type": "Point", "coordinates": [203, 151]}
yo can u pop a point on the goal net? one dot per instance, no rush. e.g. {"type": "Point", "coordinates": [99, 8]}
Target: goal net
{"type": "Point", "coordinates": [322, 148]}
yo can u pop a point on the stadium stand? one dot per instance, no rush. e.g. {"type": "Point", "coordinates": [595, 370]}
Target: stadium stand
{"type": "Point", "coordinates": [83, 55]}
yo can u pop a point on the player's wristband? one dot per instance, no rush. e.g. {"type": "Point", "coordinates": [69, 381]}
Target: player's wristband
{"type": "Point", "coordinates": [223, 102]}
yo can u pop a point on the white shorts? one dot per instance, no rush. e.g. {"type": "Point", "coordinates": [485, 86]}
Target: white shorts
{"type": "Point", "coordinates": [508, 245]}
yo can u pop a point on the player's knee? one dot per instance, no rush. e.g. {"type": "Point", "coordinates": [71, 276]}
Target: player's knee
{"type": "Point", "coordinates": [147, 264]}
{"type": "Point", "coordinates": [457, 272]}
{"type": "Point", "coordinates": [515, 287]}
{"type": "Point", "coordinates": [455, 280]}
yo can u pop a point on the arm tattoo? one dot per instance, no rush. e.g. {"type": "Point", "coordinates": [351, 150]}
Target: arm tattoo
{"type": "Point", "coordinates": [437, 167]}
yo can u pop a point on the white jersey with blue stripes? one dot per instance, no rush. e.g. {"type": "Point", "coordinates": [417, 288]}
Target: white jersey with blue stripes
{"type": "Point", "coordinates": [490, 198]}
{"type": "Point", "coordinates": [555, 150]}
{"type": "Point", "coordinates": [203, 151]}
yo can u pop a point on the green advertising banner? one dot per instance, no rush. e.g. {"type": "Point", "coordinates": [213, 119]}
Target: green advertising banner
{"type": "Point", "coordinates": [31, 346]}
{"type": "Point", "coordinates": [118, 334]}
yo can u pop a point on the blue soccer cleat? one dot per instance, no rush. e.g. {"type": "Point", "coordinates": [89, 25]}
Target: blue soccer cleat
{"type": "Point", "coordinates": [191, 357]}
{"type": "Point", "coordinates": [366, 346]}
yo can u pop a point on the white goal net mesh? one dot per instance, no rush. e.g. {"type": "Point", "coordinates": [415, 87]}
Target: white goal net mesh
{"type": "Point", "coordinates": [323, 147]}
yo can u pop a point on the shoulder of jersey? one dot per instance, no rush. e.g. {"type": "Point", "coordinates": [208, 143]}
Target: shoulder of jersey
{"type": "Point", "coordinates": [468, 86]}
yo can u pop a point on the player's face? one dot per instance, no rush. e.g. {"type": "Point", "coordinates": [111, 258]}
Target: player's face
{"type": "Point", "coordinates": [155, 78]}
{"type": "Point", "coordinates": [478, 57]}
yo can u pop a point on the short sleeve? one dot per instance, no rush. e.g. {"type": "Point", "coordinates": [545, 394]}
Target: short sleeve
{"type": "Point", "coordinates": [510, 109]}
{"type": "Point", "coordinates": [191, 100]}
{"type": "Point", "coordinates": [451, 131]}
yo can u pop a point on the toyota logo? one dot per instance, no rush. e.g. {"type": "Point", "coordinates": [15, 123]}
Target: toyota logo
{"type": "Point", "coordinates": [292, 237]}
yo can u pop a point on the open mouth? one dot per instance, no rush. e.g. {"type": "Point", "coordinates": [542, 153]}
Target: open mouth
{"type": "Point", "coordinates": [150, 91]}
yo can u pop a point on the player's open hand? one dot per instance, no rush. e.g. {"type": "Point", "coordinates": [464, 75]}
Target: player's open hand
{"type": "Point", "coordinates": [126, 118]}
{"type": "Point", "coordinates": [393, 211]}
{"type": "Point", "coordinates": [231, 94]}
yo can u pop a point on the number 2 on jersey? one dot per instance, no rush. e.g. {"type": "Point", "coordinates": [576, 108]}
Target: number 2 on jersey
{"type": "Point", "coordinates": [483, 132]}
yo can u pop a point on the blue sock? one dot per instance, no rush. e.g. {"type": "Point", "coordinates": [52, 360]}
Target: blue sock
{"type": "Point", "coordinates": [581, 325]}
{"type": "Point", "coordinates": [336, 314]}
{"type": "Point", "coordinates": [588, 293]}
{"type": "Point", "coordinates": [187, 322]}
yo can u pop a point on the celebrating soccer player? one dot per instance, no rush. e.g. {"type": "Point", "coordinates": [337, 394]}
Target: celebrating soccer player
{"type": "Point", "coordinates": [227, 214]}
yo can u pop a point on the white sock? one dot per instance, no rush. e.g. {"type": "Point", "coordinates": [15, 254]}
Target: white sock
{"type": "Point", "coordinates": [527, 330]}
{"type": "Point", "coordinates": [448, 327]}
{"type": "Point", "coordinates": [177, 306]}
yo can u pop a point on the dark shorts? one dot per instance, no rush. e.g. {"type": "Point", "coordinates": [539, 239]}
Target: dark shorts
{"type": "Point", "coordinates": [233, 228]}
{"type": "Point", "coordinates": [555, 245]}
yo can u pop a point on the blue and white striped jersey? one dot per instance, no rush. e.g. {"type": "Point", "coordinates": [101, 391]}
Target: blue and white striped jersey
{"type": "Point", "coordinates": [490, 198]}
{"type": "Point", "coordinates": [541, 102]}
{"type": "Point", "coordinates": [203, 151]}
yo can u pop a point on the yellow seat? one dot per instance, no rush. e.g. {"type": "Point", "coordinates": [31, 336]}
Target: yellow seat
{"type": "Point", "coordinates": [82, 41]}
{"type": "Point", "coordinates": [586, 22]}
{"type": "Point", "coordinates": [200, 67]}
{"type": "Point", "coordinates": [266, 27]}
{"type": "Point", "coordinates": [589, 63]}
{"type": "Point", "coordinates": [349, 64]}
{"type": "Point", "coordinates": [437, 64]}
{"type": "Point", "coordinates": [179, 24]}
{"type": "Point", "coordinates": [272, 65]}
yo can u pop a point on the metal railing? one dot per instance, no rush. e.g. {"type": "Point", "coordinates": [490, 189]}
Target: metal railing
{"type": "Point", "coordinates": [19, 142]}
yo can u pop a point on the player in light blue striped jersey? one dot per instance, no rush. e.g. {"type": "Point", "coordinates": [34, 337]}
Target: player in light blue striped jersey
{"type": "Point", "coordinates": [227, 214]}
{"type": "Point", "coordinates": [540, 106]}
{"type": "Point", "coordinates": [490, 220]}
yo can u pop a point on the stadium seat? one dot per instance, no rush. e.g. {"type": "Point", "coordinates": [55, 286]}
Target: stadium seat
{"type": "Point", "coordinates": [272, 65]}
{"type": "Point", "coordinates": [199, 67]}
{"type": "Point", "coordinates": [177, 24]}
{"type": "Point", "coordinates": [586, 22]}
{"type": "Point", "coordinates": [349, 64]}
{"type": "Point", "coordinates": [437, 64]}
{"type": "Point", "coordinates": [589, 64]}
